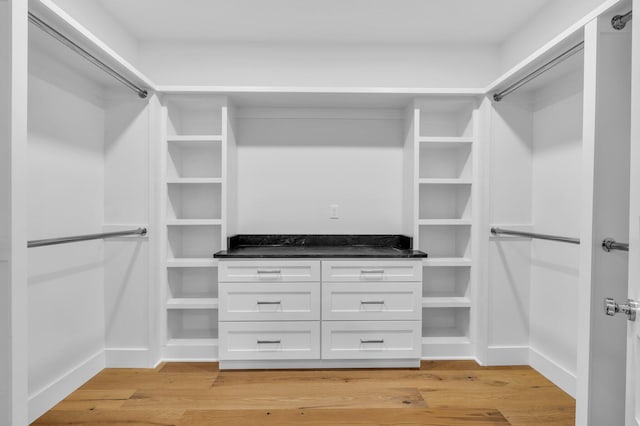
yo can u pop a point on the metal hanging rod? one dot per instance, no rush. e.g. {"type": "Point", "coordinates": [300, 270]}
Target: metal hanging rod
{"type": "Point", "coordinates": [75, 239]}
{"type": "Point", "coordinates": [546, 67]}
{"type": "Point", "coordinates": [500, 231]}
{"type": "Point", "coordinates": [620, 21]}
{"type": "Point", "coordinates": [142, 93]}
{"type": "Point", "coordinates": [609, 244]}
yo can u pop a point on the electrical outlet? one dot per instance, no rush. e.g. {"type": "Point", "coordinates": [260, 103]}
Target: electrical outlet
{"type": "Point", "coordinates": [333, 211]}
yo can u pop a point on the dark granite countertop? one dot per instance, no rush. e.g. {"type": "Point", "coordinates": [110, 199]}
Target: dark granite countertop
{"type": "Point", "coordinates": [320, 246]}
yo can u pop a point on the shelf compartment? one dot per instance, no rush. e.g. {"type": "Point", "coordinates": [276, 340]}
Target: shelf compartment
{"type": "Point", "coordinates": [194, 115]}
{"type": "Point", "coordinates": [445, 181]}
{"type": "Point", "coordinates": [445, 142]}
{"type": "Point", "coordinates": [446, 302]}
{"type": "Point", "coordinates": [194, 201]}
{"type": "Point", "coordinates": [445, 324]}
{"type": "Point", "coordinates": [186, 141]}
{"type": "Point", "coordinates": [194, 303]}
{"type": "Point", "coordinates": [437, 161]}
{"type": "Point", "coordinates": [190, 181]}
{"type": "Point", "coordinates": [451, 281]}
{"type": "Point", "coordinates": [191, 324]}
{"type": "Point", "coordinates": [192, 283]}
{"type": "Point", "coordinates": [445, 241]}
{"type": "Point", "coordinates": [446, 118]}
{"type": "Point", "coordinates": [445, 202]}
{"type": "Point", "coordinates": [202, 262]}
{"type": "Point", "coordinates": [187, 242]}
{"type": "Point", "coordinates": [194, 160]}
{"type": "Point", "coordinates": [194, 222]}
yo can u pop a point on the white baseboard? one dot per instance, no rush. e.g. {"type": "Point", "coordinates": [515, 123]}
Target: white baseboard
{"type": "Point", "coordinates": [44, 399]}
{"type": "Point", "coordinates": [507, 355]}
{"type": "Point", "coordinates": [129, 358]}
{"type": "Point", "coordinates": [560, 377]}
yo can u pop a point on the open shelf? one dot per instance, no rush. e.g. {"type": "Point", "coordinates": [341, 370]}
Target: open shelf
{"type": "Point", "coordinates": [194, 303]}
{"type": "Point", "coordinates": [446, 282]}
{"type": "Point", "coordinates": [439, 203]}
{"type": "Point", "coordinates": [439, 160]}
{"type": "Point", "coordinates": [445, 181]}
{"type": "Point", "coordinates": [446, 302]}
{"type": "Point", "coordinates": [187, 242]}
{"type": "Point", "coordinates": [446, 261]}
{"type": "Point", "coordinates": [446, 118]}
{"type": "Point", "coordinates": [194, 160]}
{"type": "Point", "coordinates": [445, 323]}
{"type": "Point", "coordinates": [194, 201]}
{"type": "Point", "coordinates": [445, 241]}
{"type": "Point", "coordinates": [193, 115]}
{"type": "Point", "coordinates": [186, 141]}
{"type": "Point", "coordinates": [192, 283]}
{"type": "Point", "coordinates": [195, 262]}
{"type": "Point", "coordinates": [431, 142]}
{"type": "Point", "coordinates": [190, 181]}
{"type": "Point", "coordinates": [192, 324]}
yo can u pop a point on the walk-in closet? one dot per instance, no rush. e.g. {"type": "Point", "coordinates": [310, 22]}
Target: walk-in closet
{"type": "Point", "coordinates": [276, 213]}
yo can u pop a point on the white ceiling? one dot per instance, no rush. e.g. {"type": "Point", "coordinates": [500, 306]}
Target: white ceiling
{"type": "Point", "coordinates": [324, 21]}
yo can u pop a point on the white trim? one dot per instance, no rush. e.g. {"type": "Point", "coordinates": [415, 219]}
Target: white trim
{"type": "Point", "coordinates": [44, 399]}
{"type": "Point", "coordinates": [320, 363]}
{"type": "Point", "coordinates": [555, 43]}
{"type": "Point", "coordinates": [129, 358]}
{"type": "Point", "coordinates": [557, 374]}
{"type": "Point", "coordinates": [507, 355]}
{"type": "Point", "coordinates": [230, 90]}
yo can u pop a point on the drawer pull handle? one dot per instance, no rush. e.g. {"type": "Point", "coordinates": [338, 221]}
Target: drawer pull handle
{"type": "Point", "coordinates": [362, 341]}
{"type": "Point", "coordinates": [274, 342]}
{"type": "Point", "coordinates": [372, 271]}
{"type": "Point", "coordinates": [266, 302]}
{"type": "Point", "coordinates": [269, 271]}
{"type": "Point", "coordinates": [372, 302]}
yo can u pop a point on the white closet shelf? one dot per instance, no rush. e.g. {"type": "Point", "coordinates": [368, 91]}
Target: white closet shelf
{"type": "Point", "coordinates": [447, 261]}
{"type": "Point", "coordinates": [192, 263]}
{"type": "Point", "coordinates": [194, 341]}
{"type": "Point", "coordinates": [445, 141]}
{"type": "Point", "coordinates": [193, 139]}
{"type": "Point", "coordinates": [443, 335]}
{"type": "Point", "coordinates": [446, 302]}
{"type": "Point", "coordinates": [192, 303]}
{"type": "Point", "coordinates": [194, 222]}
{"type": "Point", "coordinates": [445, 181]}
{"type": "Point", "coordinates": [215, 180]}
{"type": "Point", "coordinates": [465, 222]}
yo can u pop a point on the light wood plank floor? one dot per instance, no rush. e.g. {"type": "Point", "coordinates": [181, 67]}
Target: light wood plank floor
{"type": "Point", "coordinates": [445, 393]}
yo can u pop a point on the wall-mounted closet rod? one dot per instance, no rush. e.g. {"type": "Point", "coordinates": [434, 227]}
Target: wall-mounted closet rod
{"type": "Point", "coordinates": [546, 67]}
{"type": "Point", "coordinates": [620, 21]}
{"type": "Point", "coordinates": [500, 231]}
{"type": "Point", "coordinates": [75, 239]}
{"type": "Point", "coordinates": [609, 244]}
{"type": "Point", "coordinates": [88, 56]}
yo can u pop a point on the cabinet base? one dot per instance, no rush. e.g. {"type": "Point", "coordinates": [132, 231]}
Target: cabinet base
{"type": "Point", "coordinates": [318, 364]}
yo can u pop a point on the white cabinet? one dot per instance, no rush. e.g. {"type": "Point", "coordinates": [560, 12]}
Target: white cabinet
{"type": "Point", "coordinates": [285, 313]}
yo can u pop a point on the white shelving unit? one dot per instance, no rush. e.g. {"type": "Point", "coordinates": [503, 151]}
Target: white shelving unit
{"type": "Point", "coordinates": [445, 134]}
{"type": "Point", "coordinates": [194, 174]}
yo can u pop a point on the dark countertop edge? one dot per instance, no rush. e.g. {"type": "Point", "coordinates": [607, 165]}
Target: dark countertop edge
{"type": "Point", "coordinates": [224, 255]}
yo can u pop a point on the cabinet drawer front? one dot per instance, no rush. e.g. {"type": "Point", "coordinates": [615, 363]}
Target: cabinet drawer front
{"type": "Point", "coordinates": [371, 301]}
{"type": "Point", "coordinates": [373, 270]}
{"type": "Point", "coordinates": [269, 340]}
{"type": "Point", "coordinates": [269, 301]}
{"type": "Point", "coordinates": [268, 271]}
{"type": "Point", "coordinates": [371, 339]}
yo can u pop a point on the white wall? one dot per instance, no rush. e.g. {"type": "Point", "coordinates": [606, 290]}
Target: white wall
{"type": "Point", "coordinates": [557, 145]}
{"type": "Point", "coordinates": [510, 205]}
{"type": "Point", "coordinates": [128, 295]}
{"type": "Point", "coordinates": [322, 65]}
{"type": "Point", "coordinates": [290, 170]}
{"type": "Point", "coordinates": [65, 197]}
{"type": "Point", "coordinates": [555, 17]}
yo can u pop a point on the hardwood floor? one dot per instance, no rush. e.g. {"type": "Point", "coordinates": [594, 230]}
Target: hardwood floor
{"type": "Point", "coordinates": [445, 393]}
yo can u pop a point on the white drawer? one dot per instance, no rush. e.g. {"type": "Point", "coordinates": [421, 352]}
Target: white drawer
{"type": "Point", "coordinates": [372, 270]}
{"type": "Point", "coordinates": [268, 271]}
{"type": "Point", "coordinates": [371, 301]}
{"type": "Point", "coordinates": [269, 301]}
{"type": "Point", "coordinates": [371, 339]}
{"type": "Point", "coordinates": [269, 340]}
